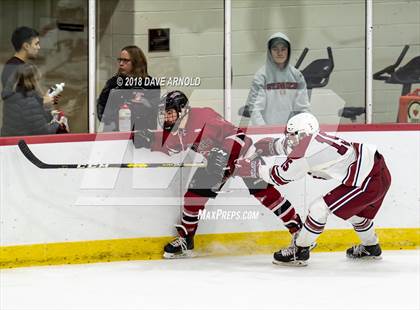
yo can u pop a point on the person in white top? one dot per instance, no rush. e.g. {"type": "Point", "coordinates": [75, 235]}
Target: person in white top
{"type": "Point", "coordinates": [278, 90]}
{"type": "Point", "coordinates": [360, 168]}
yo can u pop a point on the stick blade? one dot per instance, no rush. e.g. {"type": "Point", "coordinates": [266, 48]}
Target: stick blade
{"type": "Point", "coordinates": [26, 151]}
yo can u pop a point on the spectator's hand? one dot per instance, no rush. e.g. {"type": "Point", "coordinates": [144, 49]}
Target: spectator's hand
{"type": "Point", "coordinates": [58, 117]}
{"type": "Point", "coordinates": [47, 100]}
{"type": "Point", "coordinates": [64, 125]}
{"type": "Point", "coordinates": [143, 138]}
{"type": "Point", "coordinates": [56, 99]}
{"type": "Point", "coordinates": [247, 168]}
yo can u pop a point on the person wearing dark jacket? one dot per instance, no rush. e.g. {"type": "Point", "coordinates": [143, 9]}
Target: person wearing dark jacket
{"type": "Point", "coordinates": [139, 90]}
{"type": "Point", "coordinates": [23, 110]}
{"type": "Point", "coordinates": [25, 41]}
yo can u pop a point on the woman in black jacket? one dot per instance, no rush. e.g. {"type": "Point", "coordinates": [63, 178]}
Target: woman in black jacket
{"type": "Point", "coordinates": [24, 113]}
{"type": "Point", "coordinates": [139, 90]}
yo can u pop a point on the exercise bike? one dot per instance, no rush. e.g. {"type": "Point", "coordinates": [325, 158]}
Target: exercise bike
{"type": "Point", "coordinates": [406, 76]}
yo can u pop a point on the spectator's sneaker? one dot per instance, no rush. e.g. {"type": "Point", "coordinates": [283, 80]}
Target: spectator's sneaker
{"type": "Point", "coordinates": [364, 252]}
{"type": "Point", "coordinates": [181, 247]}
{"type": "Point", "coordinates": [292, 256]}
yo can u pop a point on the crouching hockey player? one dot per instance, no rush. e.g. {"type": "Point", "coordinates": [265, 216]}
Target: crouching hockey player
{"type": "Point", "coordinates": [221, 143]}
{"type": "Point", "coordinates": [360, 168]}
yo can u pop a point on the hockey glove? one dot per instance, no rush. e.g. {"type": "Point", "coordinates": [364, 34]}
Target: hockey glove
{"type": "Point", "coordinates": [248, 168]}
{"type": "Point", "coordinates": [217, 161]}
{"type": "Point", "coordinates": [269, 146]}
{"type": "Point", "coordinates": [143, 138]}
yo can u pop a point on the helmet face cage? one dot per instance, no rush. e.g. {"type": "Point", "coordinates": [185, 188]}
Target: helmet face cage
{"type": "Point", "coordinates": [298, 127]}
{"type": "Point", "coordinates": [292, 140]}
{"type": "Point", "coordinates": [174, 100]}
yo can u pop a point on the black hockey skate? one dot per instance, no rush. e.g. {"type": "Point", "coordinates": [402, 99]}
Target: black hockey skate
{"type": "Point", "coordinates": [181, 247]}
{"type": "Point", "coordinates": [292, 256]}
{"type": "Point", "coordinates": [364, 252]}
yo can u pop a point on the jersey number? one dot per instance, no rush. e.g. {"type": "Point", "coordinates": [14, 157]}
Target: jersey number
{"type": "Point", "coordinates": [340, 145]}
{"type": "Point", "coordinates": [286, 164]}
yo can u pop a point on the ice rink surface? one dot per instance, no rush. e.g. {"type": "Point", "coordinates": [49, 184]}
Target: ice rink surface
{"type": "Point", "coordinates": [247, 282]}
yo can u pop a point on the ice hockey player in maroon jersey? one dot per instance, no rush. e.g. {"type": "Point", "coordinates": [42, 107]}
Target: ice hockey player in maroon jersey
{"type": "Point", "coordinates": [360, 168]}
{"type": "Point", "coordinates": [206, 132]}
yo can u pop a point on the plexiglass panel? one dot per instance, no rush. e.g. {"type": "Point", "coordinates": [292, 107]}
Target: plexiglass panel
{"type": "Point", "coordinates": [312, 24]}
{"type": "Point", "coordinates": [396, 61]}
{"type": "Point", "coordinates": [62, 57]}
{"type": "Point", "coordinates": [182, 42]}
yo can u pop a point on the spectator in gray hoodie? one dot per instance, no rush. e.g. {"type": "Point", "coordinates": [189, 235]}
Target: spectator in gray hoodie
{"type": "Point", "coordinates": [278, 90]}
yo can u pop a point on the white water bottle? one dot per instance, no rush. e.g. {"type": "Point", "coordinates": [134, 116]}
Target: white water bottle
{"type": "Point", "coordinates": [124, 118]}
{"type": "Point", "coordinates": [56, 89]}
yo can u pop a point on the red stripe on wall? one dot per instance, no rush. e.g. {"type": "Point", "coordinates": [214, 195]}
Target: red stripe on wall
{"type": "Point", "coordinates": [75, 137]}
{"type": "Point", "coordinates": [85, 137]}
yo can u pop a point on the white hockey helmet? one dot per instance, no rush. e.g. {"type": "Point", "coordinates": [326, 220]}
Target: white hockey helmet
{"type": "Point", "coordinates": [300, 126]}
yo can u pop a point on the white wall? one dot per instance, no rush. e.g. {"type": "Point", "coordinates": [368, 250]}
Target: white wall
{"type": "Point", "coordinates": [38, 206]}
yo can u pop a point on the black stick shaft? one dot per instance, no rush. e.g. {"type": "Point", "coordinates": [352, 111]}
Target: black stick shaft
{"type": "Point", "coordinates": [26, 151]}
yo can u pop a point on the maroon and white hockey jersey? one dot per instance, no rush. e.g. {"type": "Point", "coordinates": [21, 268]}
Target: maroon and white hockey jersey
{"type": "Point", "coordinates": [204, 129]}
{"type": "Point", "coordinates": [325, 157]}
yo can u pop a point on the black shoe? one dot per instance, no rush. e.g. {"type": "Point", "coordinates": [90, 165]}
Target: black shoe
{"type": "Point", "coordinates": [364, 252]}
{"type": "Point", "coordinates": [181, 246]}
{"type": "Point", "coordinates": [293, 256]}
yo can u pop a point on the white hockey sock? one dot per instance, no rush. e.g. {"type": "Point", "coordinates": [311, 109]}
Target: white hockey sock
{"type": "Point", "coordinates": [314, 223]}
{"type": "Point", "coordinates": [365, 230]}
{"type": "Point", "coordinates": [306, 237]}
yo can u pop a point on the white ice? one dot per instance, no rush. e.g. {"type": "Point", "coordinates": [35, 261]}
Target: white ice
{"type": "Point", "coordinates": [248, 282]}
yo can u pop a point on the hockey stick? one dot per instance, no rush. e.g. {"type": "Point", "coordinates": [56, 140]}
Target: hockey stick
{"type": "Point", "coordinates": [40, 164]}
